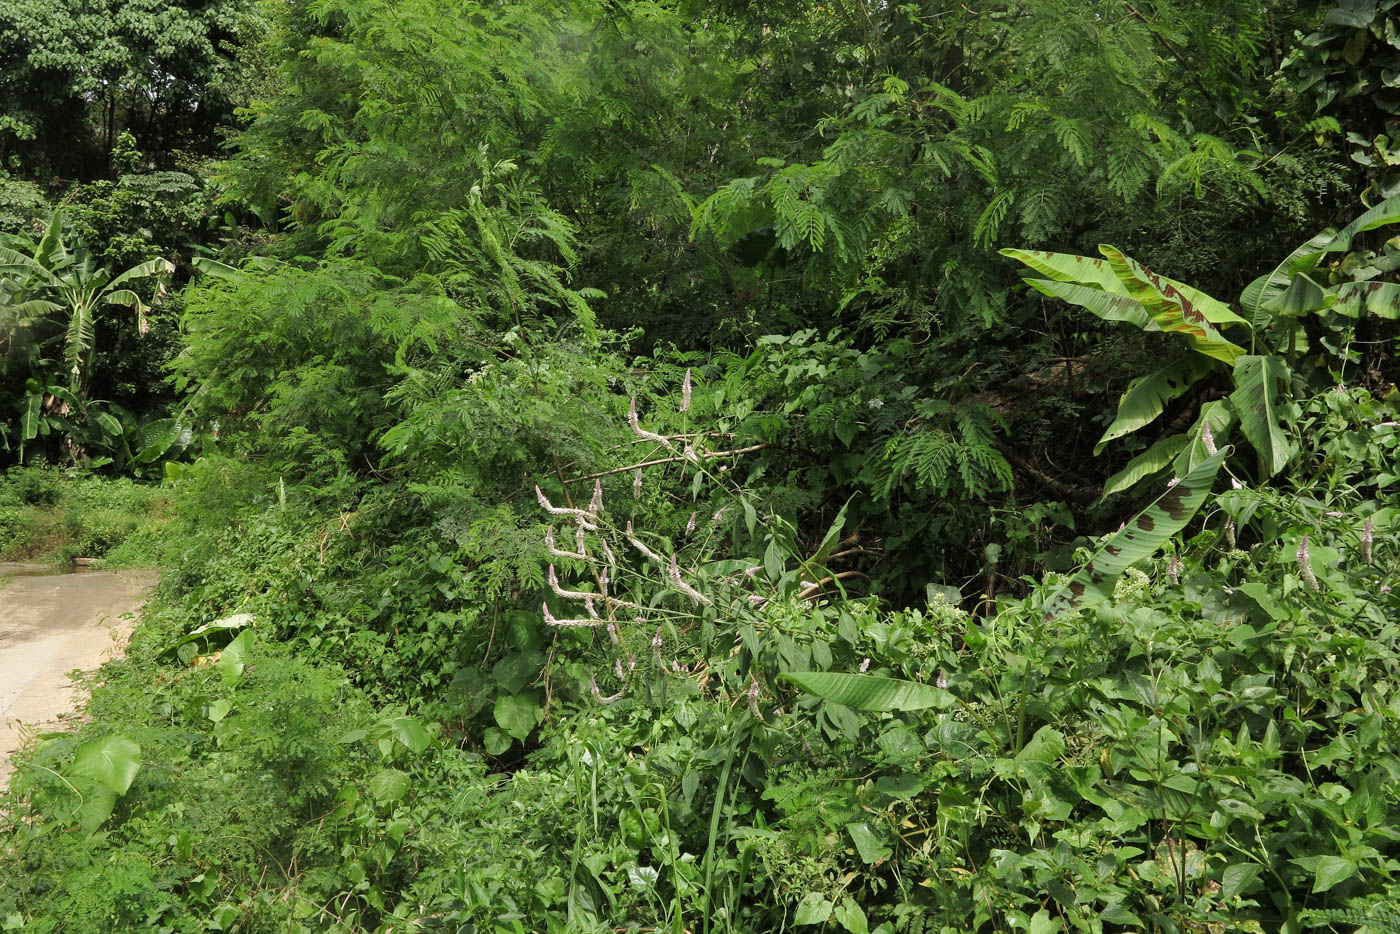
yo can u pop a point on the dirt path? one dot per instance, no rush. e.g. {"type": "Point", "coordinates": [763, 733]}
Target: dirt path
{"type": "Point", "coordinates": [51, 624]}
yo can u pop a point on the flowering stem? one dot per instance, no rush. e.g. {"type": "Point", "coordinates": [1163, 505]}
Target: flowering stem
{"type": "Point", "coordinates": [707, 455]}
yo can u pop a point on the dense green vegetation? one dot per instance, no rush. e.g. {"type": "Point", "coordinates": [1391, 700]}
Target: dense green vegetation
{"type": "Point", "coordinates": [615, 475]}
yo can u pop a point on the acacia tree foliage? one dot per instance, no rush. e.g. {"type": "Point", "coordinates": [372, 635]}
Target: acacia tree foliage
{"type": "Point", "coordinates": [76, 73]}
{"type": "Point", "coordinates": [730, 171]}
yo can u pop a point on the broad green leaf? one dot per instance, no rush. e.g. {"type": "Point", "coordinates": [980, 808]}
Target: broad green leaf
{"type": "Point", "coordinates": [1265, 290]}
{"type": "Point", "coordinates": [234, 657]}
{"type": "Point", "coordinates": [1331, 870]}
{"type": "Point", "coordinates": [1214, 310]}
{"type": "Point", "coordinates": [518, 714]}
{"type": "Point", "coordinates": [852, 917]}
{"type": "Point", "coordinates": [388, 785]}
{"type": "Point", "coordinates": [30, 417]}
{"type": "Point", "coordinates": [33, 308]}
{"type": "Point", "coordinates": [227, 624]}
{"type": "Point", "coordinates": [1154, 460]}
{"type": "Point", "coordinates": [1381, 299]}
{"type": "Point", "coordinates": [1109, 306]}
{"type": "Point", "coordinates": [98, 804]}
{"type": "Point", "coordinates": [1263, 594]}
{"type": "Point", "coordinates": [155, 267]}
{"type": "Point", "coordinates": [1171, 309]}
{"type": "Point", "coordinates": [411, 733]}
{"type": "Point", "coordinates": [870, 845]}
{"type": "Point", "coordinates": [219, 709]}
{"type": "Point", "coordinates": [869, 692]}
{"type": "Point", "coordinates": [1067, 267]}
{"type": "Point", "coordinates": [113, 761]}
{"type": "Point", "coordinates": [1147, 396]}
{"type": "Point", "coordinates": [1043, 923]}
{"type": "Point", "coordinates": [124, 297]}
{"type": "Point", "coordinates": [815, 908]}
{"type": "Point", "coordinates": [212, 267]}
{"type": "Point", "coordinates": [1235, 879]}
{"type": "Point", "coordinates": [1257, 399]}
{"type": "Point", "coordinates": [109, 424]}
{"type": "Point", "coordinates": [1046, 746]}
{"type": "Point", "coordinates": [155, 438]}
{"type": "Point", "coordinates": [515, 670]}
{"type": "Point", "coordinates": [1303, 296]}
{"type": "Point", "coordinates": [1141, 537]}
{"type": "Point", "coordinates": [496, 741]}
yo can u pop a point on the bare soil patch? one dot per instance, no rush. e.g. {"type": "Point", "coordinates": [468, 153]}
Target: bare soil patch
{"type": "Point", "coordinates": [50, 625]}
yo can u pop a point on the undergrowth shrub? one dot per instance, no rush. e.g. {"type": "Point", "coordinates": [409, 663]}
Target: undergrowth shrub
{"type": "Point", "coordinates": [45, 513]}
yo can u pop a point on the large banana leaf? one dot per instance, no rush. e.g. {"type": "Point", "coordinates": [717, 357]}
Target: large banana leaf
{"type": "Point", "coordinates": [1257, 400]}
{"type": "Point", "coordinates": [1067, 267]}
{"type": "Point", "coordinates": [1381, 299]}
{"type": "Point", "coordinates": [1109, 306]}
{"type": "Point", "coordinates": [1170, 308]}
{"type": "Point", "coordinates": [1147, 396]}
{"type": "Point", "coordinates": [1154, 460]}
{"type": "Point", "coordinates": [1120, 289]}
{"type": "Point", "coordinates": [33, 308]}
{"type": "Point", "coordinates": [154, 267]}
{"type": "Point", "coordinates": [212, 267]}
{"type": "Point", "coordinates": [14, 263]}
{"type": "Point", "coordinates": [77, 342]}
{"type": "Point", "coordinates": [52, 240]}
{"type": "Point", "coordinates": [1195, 305]}
{"type": "Point", "coordinates": [869, 692]}
{"type": "Point", "coordinates": [30, 418]}
{"type": "Point", "coordinates": [1303, 296]}
{"type": "Point", "coordinates": [155, 438]}
{"type": "Point", "coordinates": [1141, 537]}
{"type": "Point", "coordinates": [1265, 291]}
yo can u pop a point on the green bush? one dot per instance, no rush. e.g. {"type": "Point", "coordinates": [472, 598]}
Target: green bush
{"type": "Point", "coordinates": [45, 514]}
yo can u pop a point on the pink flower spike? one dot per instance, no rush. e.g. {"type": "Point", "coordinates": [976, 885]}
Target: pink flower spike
{"type": "Point", "coordinates": [641, 432]}
{"type": "Point", "coordinates": [568, 623]}
{"type": "Point", "coordinates": [683, 587]}
{"type": "Point", "coordinates": [685, 391]}
{"type": "Point", "coordinates": [1305, 564]}
{"type": "Point", "coordinates": [1207, 439]}
{"type": "Point", "coordinates": [554, 510]}
{"type": "Point", "coordinates": [595, 505]}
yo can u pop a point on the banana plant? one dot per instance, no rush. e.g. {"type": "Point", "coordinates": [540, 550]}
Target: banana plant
{"type": "Point", "coordinates": [1262, 356]}
{"type": "Point", "coordinates": [49, 280]}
